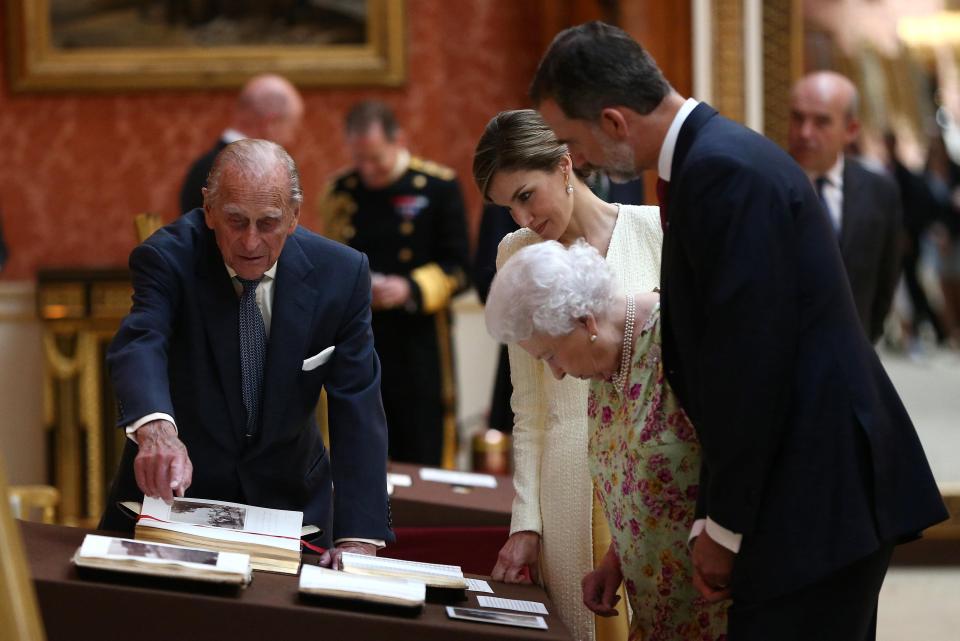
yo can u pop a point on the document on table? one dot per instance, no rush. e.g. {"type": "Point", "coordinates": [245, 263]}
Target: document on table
{"type": "Point", "coordinates": [512, 604]}
{"type": "Point", "coordinates": [458, 478]}
{"type": "Point", "coordinates": [478, 585]}
{"type": "Point", "coordinates": [497, 618]}
{"type": "Point", "coordinates": [399, 480]}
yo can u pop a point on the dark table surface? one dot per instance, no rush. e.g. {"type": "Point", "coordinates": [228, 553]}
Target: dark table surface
{"type": "Point", "coordinates": [270, 608]}
{"type": "Point", "coordinates": [431, 504]}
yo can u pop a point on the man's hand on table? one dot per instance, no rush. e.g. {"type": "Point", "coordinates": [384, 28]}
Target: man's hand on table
{"type": "Point", "coordinates": [162, 466]}
{"type": "Point", "coordinates": [331, 558]}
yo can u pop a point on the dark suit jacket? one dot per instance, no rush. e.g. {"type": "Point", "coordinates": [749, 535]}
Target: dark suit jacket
{"type": "Point", "coordinates": [870, 242]}
{"type": "Point", "coordinates": [807, 449]}
{"type": "Point", "coordinates": [191, 196]}
{"type": "Point", "coordinates": [178, 352]}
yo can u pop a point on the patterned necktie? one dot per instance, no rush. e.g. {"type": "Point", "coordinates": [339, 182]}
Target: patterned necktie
{"type": "Point", "coordinates": [253, 351]}
{"type": "Point", "coordinates": [662, 197]}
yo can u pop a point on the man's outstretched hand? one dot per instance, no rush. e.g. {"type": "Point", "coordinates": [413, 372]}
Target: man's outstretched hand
{"type": "Point", "coordinates": [162, 466]}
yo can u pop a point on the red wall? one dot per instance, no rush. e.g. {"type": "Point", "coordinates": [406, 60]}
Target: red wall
{"type": "Point", "coordinates": [75, 168]}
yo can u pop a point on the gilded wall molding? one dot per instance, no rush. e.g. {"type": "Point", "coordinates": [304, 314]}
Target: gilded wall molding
{"type": "Point", "coordinates": [782, 63]}
{"type": "Point", "coordinates": [782, 43]}
{"type": "Point", "coordinates": [728, 72]}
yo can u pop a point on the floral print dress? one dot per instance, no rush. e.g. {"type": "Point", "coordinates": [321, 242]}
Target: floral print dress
{"type": "Point", "coordinates": [645, 463]}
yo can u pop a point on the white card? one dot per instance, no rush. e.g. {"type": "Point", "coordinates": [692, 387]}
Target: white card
{"type": "Point", "coordinates": [512, 604]}
{"type": "Point", "coordinates": [399, 480]}
{"type": "Point", "coordinates": [498, 618]}
{"type": "Point", "coordinates": [458, 478]}
{"type": "Point", "coordinates": [478, 585]}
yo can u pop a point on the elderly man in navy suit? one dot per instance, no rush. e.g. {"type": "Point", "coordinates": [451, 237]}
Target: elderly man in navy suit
{"type": "Point", "coordinates": [812, 470]}
{"type": "Point", "coordinates": [239, 318]}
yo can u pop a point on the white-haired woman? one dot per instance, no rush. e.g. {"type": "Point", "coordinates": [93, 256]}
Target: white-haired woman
{"type": "Point", "coordinates": [558, 304]}
{"type": "Point", "coordinates": [558, 529]}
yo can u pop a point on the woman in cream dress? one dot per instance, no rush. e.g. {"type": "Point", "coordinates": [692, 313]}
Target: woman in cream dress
{"type": "Point", "coordinates": [558, 531]}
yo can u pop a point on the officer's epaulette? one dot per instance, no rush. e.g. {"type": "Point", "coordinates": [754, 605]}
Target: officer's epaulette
{"type": "Point", "coordinates": [431, 168]}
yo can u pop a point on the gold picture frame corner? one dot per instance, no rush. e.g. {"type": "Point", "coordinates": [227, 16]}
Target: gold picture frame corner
{"type": "Point", "coordinates": [34, 65]}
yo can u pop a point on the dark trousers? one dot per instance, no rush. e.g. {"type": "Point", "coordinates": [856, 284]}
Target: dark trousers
{"type": "Point", "coordinates": [841, 607]}
{"type": "Point", "coordinates": [918, 297]}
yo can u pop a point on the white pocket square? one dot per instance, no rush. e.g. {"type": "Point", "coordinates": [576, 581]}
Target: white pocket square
{"type": "Point", "coordinates": [316, 361]}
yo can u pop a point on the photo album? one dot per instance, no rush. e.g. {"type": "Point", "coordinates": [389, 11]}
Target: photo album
{"type": "Point", "coordinates": [271, 537]}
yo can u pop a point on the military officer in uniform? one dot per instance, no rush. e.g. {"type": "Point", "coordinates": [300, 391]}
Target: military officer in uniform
{"type": "Point", "coordinates": [407, 215]}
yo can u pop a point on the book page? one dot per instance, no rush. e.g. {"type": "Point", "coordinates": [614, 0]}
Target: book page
{"type": "Point", "coordinates": [384, 564]}
{"type": "Point", "coordinates": [321, 580]}
{"type": "Point", "coordinates": [139, 552]}
{"type": "Point", "coordinates": [225, 521]}
{"type": "Point", "coordinates": [468, 479]}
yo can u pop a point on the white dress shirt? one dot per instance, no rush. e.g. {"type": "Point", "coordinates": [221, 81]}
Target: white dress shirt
{"type": "Point", "coordinates": [665, 161]}
{"type": "Point", "coordinates": [832, 192]}
{"type": "Point", "coordinates": [720, 534]}
{"type": "Point", "coordinates": [232, 135]}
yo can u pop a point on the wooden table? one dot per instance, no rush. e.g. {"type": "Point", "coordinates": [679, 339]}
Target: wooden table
{"type": "Point", "coordinates": [270, 608]}
{"type": "Point", "coordinates": [431, 504]}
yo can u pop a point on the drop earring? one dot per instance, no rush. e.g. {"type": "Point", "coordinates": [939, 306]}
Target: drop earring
{"type": "Point", "coordinates": [593, 338]}
{"type": "Point", "coordinates": [569, 189]}
{"type": "Point", "coordinates": [566, 179]}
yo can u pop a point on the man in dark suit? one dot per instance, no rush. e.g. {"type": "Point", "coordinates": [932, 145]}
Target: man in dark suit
{"type": "Point", "coordinates": [811, 468]}
{"type": "Point", "coordinates": [239, 318]}
{"type": "Point", "coordinates": [268, 107]}
{"type": "Point", "coordinates": [863, 205]}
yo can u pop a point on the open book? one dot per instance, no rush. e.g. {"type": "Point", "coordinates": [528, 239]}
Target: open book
{"type": "Point", "coordinates": [270, 537]}
{"type": "Point", "coordinates": [319, 581]}
{"type": "Point", "coordinates": [433, 575]}
{"type": "Point", "coordinates": [157, 559]}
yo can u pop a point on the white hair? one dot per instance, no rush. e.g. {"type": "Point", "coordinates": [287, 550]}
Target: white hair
{"type": "Point", "coordinates": [545, 288]}
{"type": "Point", "coordinates": [255, 161]}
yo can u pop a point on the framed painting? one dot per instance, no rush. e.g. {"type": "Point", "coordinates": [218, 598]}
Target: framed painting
{"type": "Point", "coordinates": [80, 45]}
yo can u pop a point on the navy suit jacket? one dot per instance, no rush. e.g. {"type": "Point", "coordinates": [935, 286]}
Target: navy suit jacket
{"type": "Point", "coordinates": [807, 450]}
{"type": "Point", "coordinates": [870, 242]}
{"type": "Point", "coordinates": [178, 352]}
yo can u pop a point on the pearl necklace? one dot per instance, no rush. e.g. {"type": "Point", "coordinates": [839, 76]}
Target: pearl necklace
{"type": "Point", "coordinates": [620, 378]}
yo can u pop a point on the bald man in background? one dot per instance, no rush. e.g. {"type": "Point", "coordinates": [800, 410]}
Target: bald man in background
{"type": "Point", "coordinates": [269, 108]}
{"type": "Point", "coordinates": [863, 205]}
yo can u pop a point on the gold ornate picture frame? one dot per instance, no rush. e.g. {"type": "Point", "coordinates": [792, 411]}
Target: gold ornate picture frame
{"type": "Point", "coordinates": [38, 63]}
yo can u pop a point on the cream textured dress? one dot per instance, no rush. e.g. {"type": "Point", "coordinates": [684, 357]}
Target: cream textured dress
{"type": "Point", "coordinates": [551, 473]}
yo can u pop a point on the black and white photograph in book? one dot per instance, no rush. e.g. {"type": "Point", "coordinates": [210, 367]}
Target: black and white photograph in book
{"type": "Point", "coordinates": [124, 547]}
{"type": "Point", "coordinates": [226, 517]}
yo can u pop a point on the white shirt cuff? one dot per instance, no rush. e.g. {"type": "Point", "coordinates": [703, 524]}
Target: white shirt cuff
{"type": "Point", "coordinates": [377, 542]}
{"type": "Point", "coordinates": [696, 530]}
{"type": "Point", "coordinates": [156, 416]}
{"type": "Point", "coordinates": [720, 534]}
